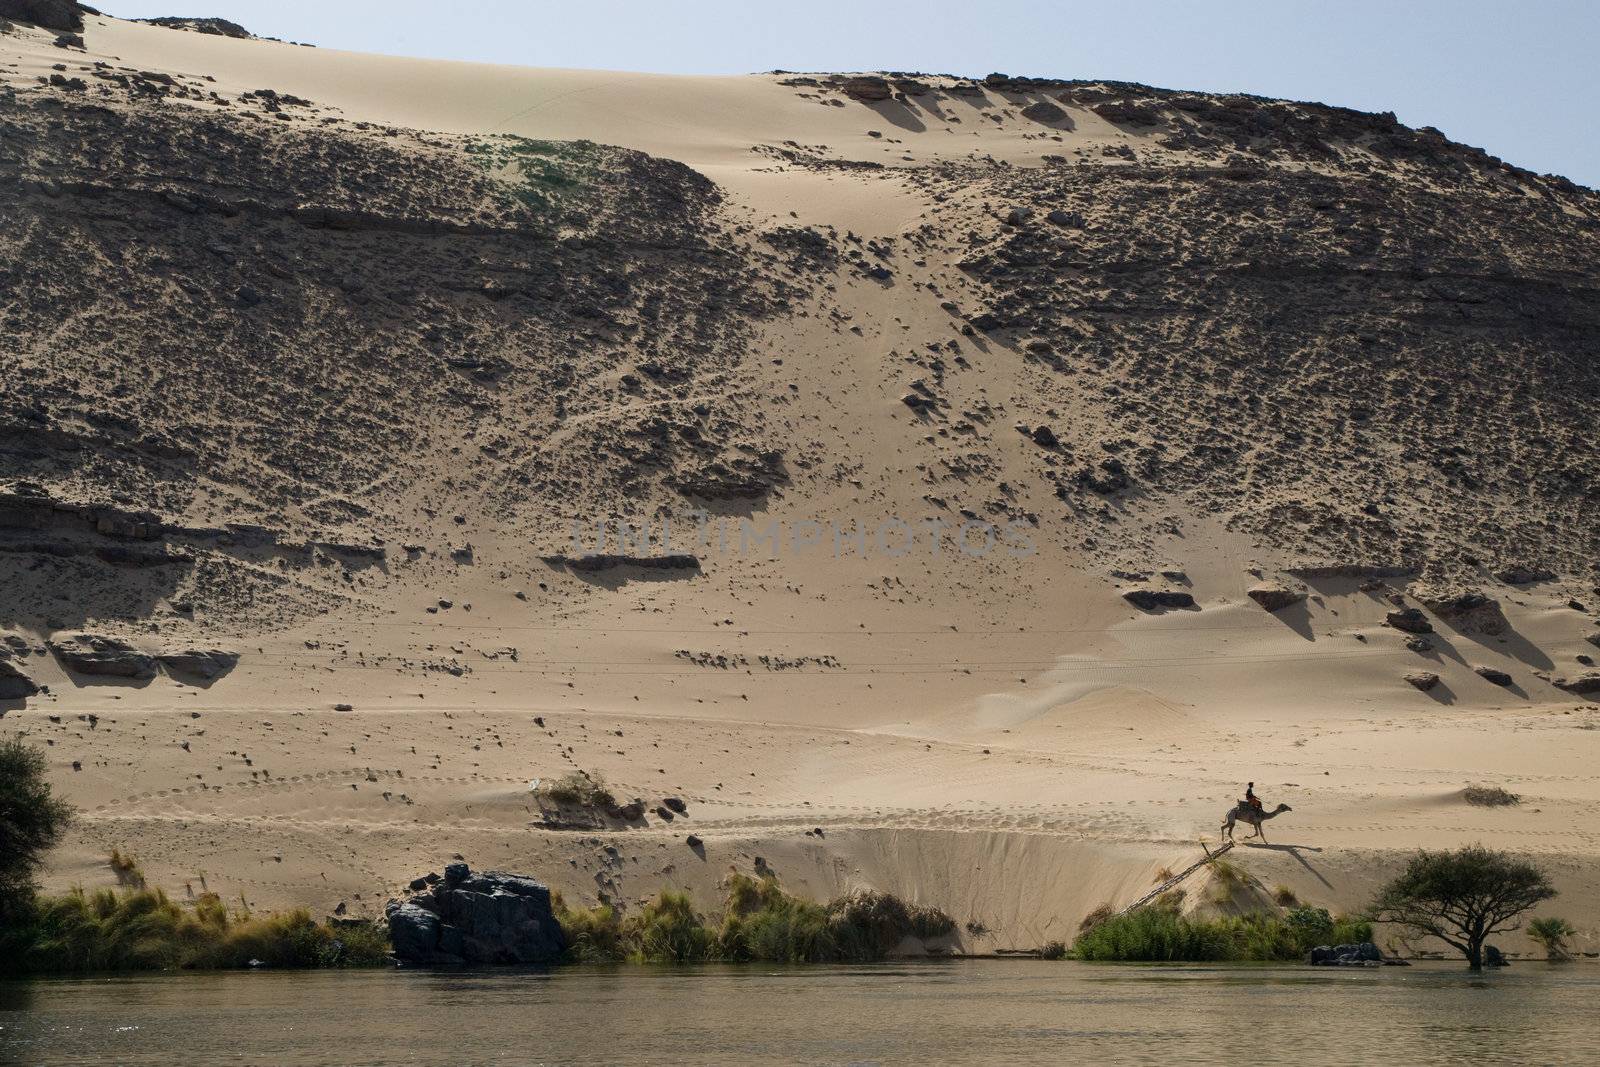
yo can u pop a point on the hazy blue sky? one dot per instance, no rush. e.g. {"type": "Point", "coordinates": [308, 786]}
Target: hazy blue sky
{"type": "Point", "coordinates": [1520, 79]}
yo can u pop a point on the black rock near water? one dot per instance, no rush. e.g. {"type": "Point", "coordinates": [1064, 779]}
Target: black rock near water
{"type": "Point", "coordinates": [1366, 954]}
{"type": "Point", "coordinates": [462, 918]}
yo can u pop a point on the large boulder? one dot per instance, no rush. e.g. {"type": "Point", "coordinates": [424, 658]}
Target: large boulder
{"type": "Point", "coordinates": [1520, 574]}
{"type": "Point", "coordinates": [47, 14]}
{"type": "Point", "coordinates": [1410, 620]}
{"type": "Point", "coordinates": [106, 656]}
{"type": "Point", "coordinates": [1366, 954]}
{"type": "Point", "coordinates": [487, 918]}
{"type": "Point", "coordinates": [1423, 680]}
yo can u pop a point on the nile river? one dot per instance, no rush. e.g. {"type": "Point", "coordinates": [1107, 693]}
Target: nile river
{"type": "Point", "coordinates": [959, 1012]}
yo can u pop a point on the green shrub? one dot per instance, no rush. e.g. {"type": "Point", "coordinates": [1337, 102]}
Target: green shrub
{"type": "Point", "coordinates": [126, 868]}
{"type": "Point", "coordinates": [1348, 931]}
{"type": "Point", "coordinates": [1551, 933]}
{"type": "Point", "coordinates": [1311, 927]}
{"type": "Point", "coordinates": [1489, 796]}
{"type": "Point", "coordinates": [1156, 934]}
{"type": "Point", "coordinates": [1159, 933]}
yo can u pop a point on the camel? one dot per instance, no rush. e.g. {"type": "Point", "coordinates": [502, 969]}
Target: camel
{"type": "Point", "coordinates": [1245, 813]}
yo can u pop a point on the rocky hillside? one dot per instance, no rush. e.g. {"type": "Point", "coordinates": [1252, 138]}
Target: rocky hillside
{"type": "Point", "coordinates": [260, 348]}
{"type": "Point", "coordinates": [237, 335]}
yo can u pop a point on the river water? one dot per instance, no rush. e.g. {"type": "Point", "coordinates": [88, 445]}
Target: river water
{"type": "Point", "coordinates": [956, 1012]}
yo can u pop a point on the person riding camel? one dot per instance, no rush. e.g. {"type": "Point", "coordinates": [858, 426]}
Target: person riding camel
{"type": "Point", "coordinates": [1250, 797]}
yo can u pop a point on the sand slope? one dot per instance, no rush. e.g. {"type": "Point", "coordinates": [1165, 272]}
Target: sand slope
{"type": "Point", "coordinates": [1003, 736]}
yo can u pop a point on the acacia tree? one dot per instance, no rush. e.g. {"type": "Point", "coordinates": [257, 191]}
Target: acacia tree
{"type": "Point", "coordinates": [31, 819]}
{"type": "Point", "coordinates": [1463, 897]}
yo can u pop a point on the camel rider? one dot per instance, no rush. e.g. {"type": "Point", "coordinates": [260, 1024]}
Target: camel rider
{"type": "Point", "coordinates": [1250, 797]}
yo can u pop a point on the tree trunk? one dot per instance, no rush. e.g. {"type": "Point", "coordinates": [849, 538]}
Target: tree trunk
{"type": "Point", "coordinates": [1475, 954]}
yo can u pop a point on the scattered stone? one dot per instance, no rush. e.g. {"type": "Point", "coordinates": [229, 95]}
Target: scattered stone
{"type": "Point", "coordinates": [1423, 680]}
{"type": "Point", "coordinates": [632, 811]}
{"type": "Point", "coordinates": [489, 918]}
{"type": "Point", "coordinates": [1045, 437]}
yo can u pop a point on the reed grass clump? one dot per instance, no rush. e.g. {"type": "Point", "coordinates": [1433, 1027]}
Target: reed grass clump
{"type": "Point", "coordinates": [759, 922]}
{"type": "Point", "coordinates": [131, 929]}
{"type": "Point", "coordinates": [1160, 933]}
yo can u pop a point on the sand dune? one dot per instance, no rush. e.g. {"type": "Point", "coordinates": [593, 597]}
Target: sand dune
{"type": "Point", "coordinates": [353, 357]}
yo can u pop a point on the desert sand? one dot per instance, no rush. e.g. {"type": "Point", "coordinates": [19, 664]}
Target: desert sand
{"type": "Point", "coordinates": [798, 340]}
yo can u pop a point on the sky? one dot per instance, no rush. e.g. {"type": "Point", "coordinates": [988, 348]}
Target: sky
{"type": "Point", "coordinates": [1519, 79]}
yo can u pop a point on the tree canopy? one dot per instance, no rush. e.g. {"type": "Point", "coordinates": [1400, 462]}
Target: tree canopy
{"type": "Point", "coordinates": [1463, 897]}
{"type": "Point", "coordinates": [31, 818]}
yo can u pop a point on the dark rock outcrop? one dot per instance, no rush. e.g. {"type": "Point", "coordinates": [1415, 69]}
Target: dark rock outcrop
{"type": "Point", "coordinates": [1520, 575]}
{"type": "Point", "coordinates": [104, 656]}
{"type": "Point", "coordinates": [214, 26]}
{"type": "Point", "coordinates": [1273, 597]}
{"type": "Point", "coordinates": [466, 918]}
{"type": "Point", "coordinates": [604, 561]}
{"type": "Point", "coordinates": [1468, 611]}
{"type": "Point", "coordinates": [47, 14]}
{"type": "Point", "coordinates": [206, 663]}
{"type": "Point", "coordinates": [1366, 954]}
{"type": "Point", "coordinates": [1150, 599]}
{"type": "Point", "coordinates": [1583, 685]}
{"type": "Point", "coordinates": [1493, 675]}
{"type": "Point", "coordinates": [1043, 111]}
{"type": "Point", "coordinates": [15, 685]}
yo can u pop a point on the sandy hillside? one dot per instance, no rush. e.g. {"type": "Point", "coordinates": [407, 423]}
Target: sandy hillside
{"type": "Point", "coordinates": [314, 362]}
